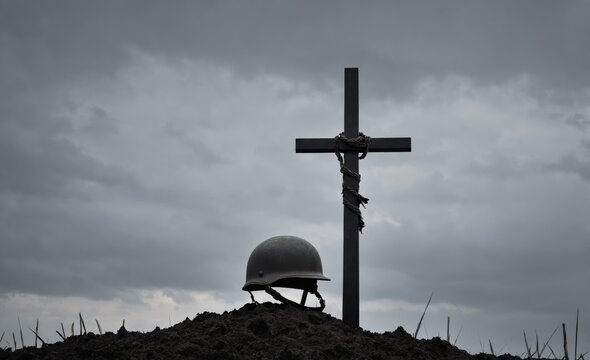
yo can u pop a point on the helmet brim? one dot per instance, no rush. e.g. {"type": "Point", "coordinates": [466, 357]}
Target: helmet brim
{"type": "Point", "coordinates": [296, 281]}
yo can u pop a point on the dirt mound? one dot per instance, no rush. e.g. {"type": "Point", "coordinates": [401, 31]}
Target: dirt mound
{"type": "Point", "coordinates": [265, 331]}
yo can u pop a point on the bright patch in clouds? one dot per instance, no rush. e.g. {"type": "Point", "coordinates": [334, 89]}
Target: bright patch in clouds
{"type": "Point", "coordinates": [142, 310]}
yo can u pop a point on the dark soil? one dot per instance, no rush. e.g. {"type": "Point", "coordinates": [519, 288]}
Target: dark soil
{"type": "Point", "coordinates": [265, 331]}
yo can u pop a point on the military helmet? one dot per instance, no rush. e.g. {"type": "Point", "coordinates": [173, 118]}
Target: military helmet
{"type": "Point", "coordinates": [284, 261]}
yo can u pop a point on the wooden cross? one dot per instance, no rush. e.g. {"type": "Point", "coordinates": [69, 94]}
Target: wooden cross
{"type": "Point", "coordinates": [350, 291]}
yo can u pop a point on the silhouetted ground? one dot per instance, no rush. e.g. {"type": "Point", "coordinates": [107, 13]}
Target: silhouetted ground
{"type": "Point", "coordinates": [265, 331]}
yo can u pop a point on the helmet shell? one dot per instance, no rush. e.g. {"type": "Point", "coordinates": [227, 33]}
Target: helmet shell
{"type": "Point", "coordinates": [284, 261]}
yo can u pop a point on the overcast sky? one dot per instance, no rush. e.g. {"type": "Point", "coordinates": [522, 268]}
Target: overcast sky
{"type": "Point", "coordinates": [147, 147]}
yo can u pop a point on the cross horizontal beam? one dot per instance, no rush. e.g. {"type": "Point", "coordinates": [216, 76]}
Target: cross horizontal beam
{"type": "Point", "coordinates": [326, 145]}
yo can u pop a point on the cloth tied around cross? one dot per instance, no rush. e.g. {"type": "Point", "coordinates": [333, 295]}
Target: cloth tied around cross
{"type": "Point", "coordinates": [360, 143]}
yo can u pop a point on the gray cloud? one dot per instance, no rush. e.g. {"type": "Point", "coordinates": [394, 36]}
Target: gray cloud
{"type": "Point", "coordinates": [198, 148]}
{"type": "Point", "coordinates": [38, 161]}
{"type": "Point", "coordinates": [579, 121]}
{"type": "Point", "coordinates": [149, 146]}
{"type": "Point", "coordinates": [397, 40]}
{"type": "Point", "coordinates": [100, 124]}
{"type": "Point", "coordinates": [571, 164]}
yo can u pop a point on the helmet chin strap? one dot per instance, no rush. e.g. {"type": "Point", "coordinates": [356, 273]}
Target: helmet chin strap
{"type": "Point", "coordinates": [277, 296]}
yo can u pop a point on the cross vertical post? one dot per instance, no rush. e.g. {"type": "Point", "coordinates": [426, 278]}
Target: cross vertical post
{"type": "Point", "coordinates": [350, 286]}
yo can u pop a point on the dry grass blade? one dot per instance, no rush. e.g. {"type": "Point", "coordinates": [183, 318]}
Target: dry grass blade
{"type": "Point", "coordinates": [526, 343]}
{"type": "Point", "coordinates": [576, 336]}
{"type": "Point", "coordinates": [73, 328]}
{"type": "Point", "coordinates": [422, 317]}
{"type": "Point", "coordinates": [22, 341]}
{"type": "Point", "coordinates": [60, 335]}
{"type": "Point", "coordinates": [547, 342]}
{"type": "Point", "coordinates": [63, 331]}
{"type": "Point", "coordinates": [2, 337]}
{"type": "Point", "coordinates": [14, 339]}
{"type": "Point", "coordinates": [491, 347]}
{"type": "Point", "coordinates": [537, 344]}
{"type": "Point", "coordinates": [448, 329]}
{"type": "Point", "coordinates": [37, 337]}
{"type": "Point", "coordinates": [36, 331]}
{"type": "Point", "coordinates": [82, 325]}
{"type": "Point", "coordinates": [99, 328]}
{"type": "Point", "coordinates": [457, 338]}
{"type": "Point", "coordinates": [566, 356]}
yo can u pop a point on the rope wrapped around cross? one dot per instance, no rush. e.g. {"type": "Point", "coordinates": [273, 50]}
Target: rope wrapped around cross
{"type": "Point", "coordinates": [360, 143]}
